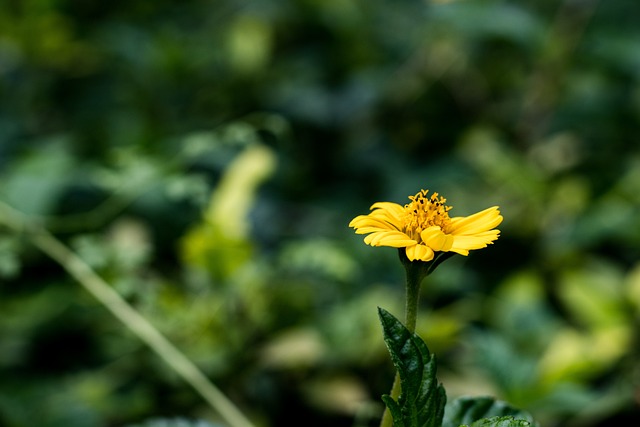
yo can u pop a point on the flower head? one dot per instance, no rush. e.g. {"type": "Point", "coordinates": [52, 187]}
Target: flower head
{"type": "Point", "coordinates": [424, 227]}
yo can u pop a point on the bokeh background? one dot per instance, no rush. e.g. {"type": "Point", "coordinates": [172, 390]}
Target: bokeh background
{"type": "Point", "coordinates": [205, 157]}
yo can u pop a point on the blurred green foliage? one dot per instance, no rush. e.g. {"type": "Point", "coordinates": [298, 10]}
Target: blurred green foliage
{"type": "Point", "coordinates": [205, 157]}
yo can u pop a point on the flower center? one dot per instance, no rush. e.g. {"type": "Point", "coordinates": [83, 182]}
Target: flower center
{"type": "Point", "coordinates": [424, 212]}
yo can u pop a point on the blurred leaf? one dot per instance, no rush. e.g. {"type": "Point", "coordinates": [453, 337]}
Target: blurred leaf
{"type": "Point", "coordinates": [344, 394]}
{"type": "Point", "coordinates": [513, 371]}
{"type": "Point", "coordinates": [298, 348]}
{"type": "Point", "coordinates": [10, 264]}
{"type": "Point", "coordinates": [573, 355]}
{"type": "Point", "coordinates": [320, 257]}
{"type": "Point", "coordinates": [485, 149]}
{"type": "Point", "coordinates": [593, 295]}
{"type": "Point", "coordinates": [34, 184]}
{"type": "Point", "coordinates": [633, 287]}
{"type": "Point", "coordinates": [221, 242]}
{"type": "Point", "coordinates": [617, 48]}
{"type": "Point", "coordinates": [57, 407]}
{"type": "Point", "coordinates": [249, 44]}
{"type": "Point", "coordinates": [188, 187]}
{"type": "Point", "coordinates": [92, 250]}
{"type": "Point", "coordinates": [131, 171]}
{"type": "Point", "coordinates": [488, 18]}
{"type": "Point", "coordinates": [441, 328]}
{"type": "Point", "coordinates": [233, 198]}
{"type": "Point", "coordinates": [174, 422]}
{"type": "Point", "coordinates": [566, 398]}
{"type": "Point", "coordinates": [519, 310]}
{"type": "Point", "coordinates": [352, 328]}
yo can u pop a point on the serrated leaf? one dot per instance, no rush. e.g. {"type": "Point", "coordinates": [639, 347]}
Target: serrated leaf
{"type": "Point", "coordinates": [422, 399]}
{"type": "Point", "coordinates": [394, 408]}
{"type": "Point", "coordinates": [507, 421]}
{"type": "Point", "coordinates": [469, 410]}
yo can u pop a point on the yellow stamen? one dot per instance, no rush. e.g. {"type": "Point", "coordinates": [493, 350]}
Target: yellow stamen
{"type": "Point", "coordinates": [424, 212]}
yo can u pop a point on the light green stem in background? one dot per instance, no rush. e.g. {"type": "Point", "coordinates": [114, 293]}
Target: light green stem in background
{"type": "Point", "coordinates": [416, 271]}
{"type": "Point", "coordinates": [124, 312]}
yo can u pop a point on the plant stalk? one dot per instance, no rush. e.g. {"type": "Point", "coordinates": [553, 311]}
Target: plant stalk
{"type": "Point", "coordinates": [124, 312]}
{"type": "Point", "coordinates": [416, 271]}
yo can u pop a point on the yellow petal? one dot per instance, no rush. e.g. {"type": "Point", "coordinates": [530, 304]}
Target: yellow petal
{"type": "Point", "coordinates": [390, 212]}
{"type": "Point", "coordinates": [367, 230]}
{"type": "Point", "coordinates": [359, 221]}
{"type": "Point", "coordinates": [367, 221]}
{"type": "Point", "coordinates": [394, 239]}
{"type": "Point", "coordinates": [474, 242]}
{"type": "Point", "coordinates": [436, 239]}
{"type": "Point", "coordinates": [386, 216]}
{"type": "Point", "coordinates": [476, 223]}
{"type": "Point", "coordinates": [393, 208]}
{"type": "Point", "coordinates": [494, 234]}
{"type": "Point", "coordinates": [464, 252]}
{"type": "Point", "coordinates": [419, 252]}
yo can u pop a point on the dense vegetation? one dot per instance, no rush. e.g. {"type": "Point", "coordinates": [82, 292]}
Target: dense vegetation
{"type": "Point", "coordinates": [205, 157]}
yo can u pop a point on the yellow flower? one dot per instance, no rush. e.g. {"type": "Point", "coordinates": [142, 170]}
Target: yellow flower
{"type": "Point", "coordinates": [424, 227]}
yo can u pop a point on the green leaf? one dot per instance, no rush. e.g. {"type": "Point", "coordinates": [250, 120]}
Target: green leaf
{"type": "Point", "coordinates": [507, 421]}
{"type": "Point", "coordinates": [10, 264]}
{"type": "Point", "coordinates": [394, 408]}
{"type": "Point", "coordinates": [422, 400]}
{"type": "Point", "coordinates": [34, 183]}
{"type": "Point", "coordinates": [470, 410]}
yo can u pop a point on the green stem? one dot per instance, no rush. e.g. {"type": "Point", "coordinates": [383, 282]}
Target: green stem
{"type": "Point", "coordinates": [124, 312]}
{"type": "Point", "coordinates": [416, 272]}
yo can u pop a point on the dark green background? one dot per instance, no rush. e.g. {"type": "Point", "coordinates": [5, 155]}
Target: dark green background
{"type": "Point", "coordinates": [119, 121]}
